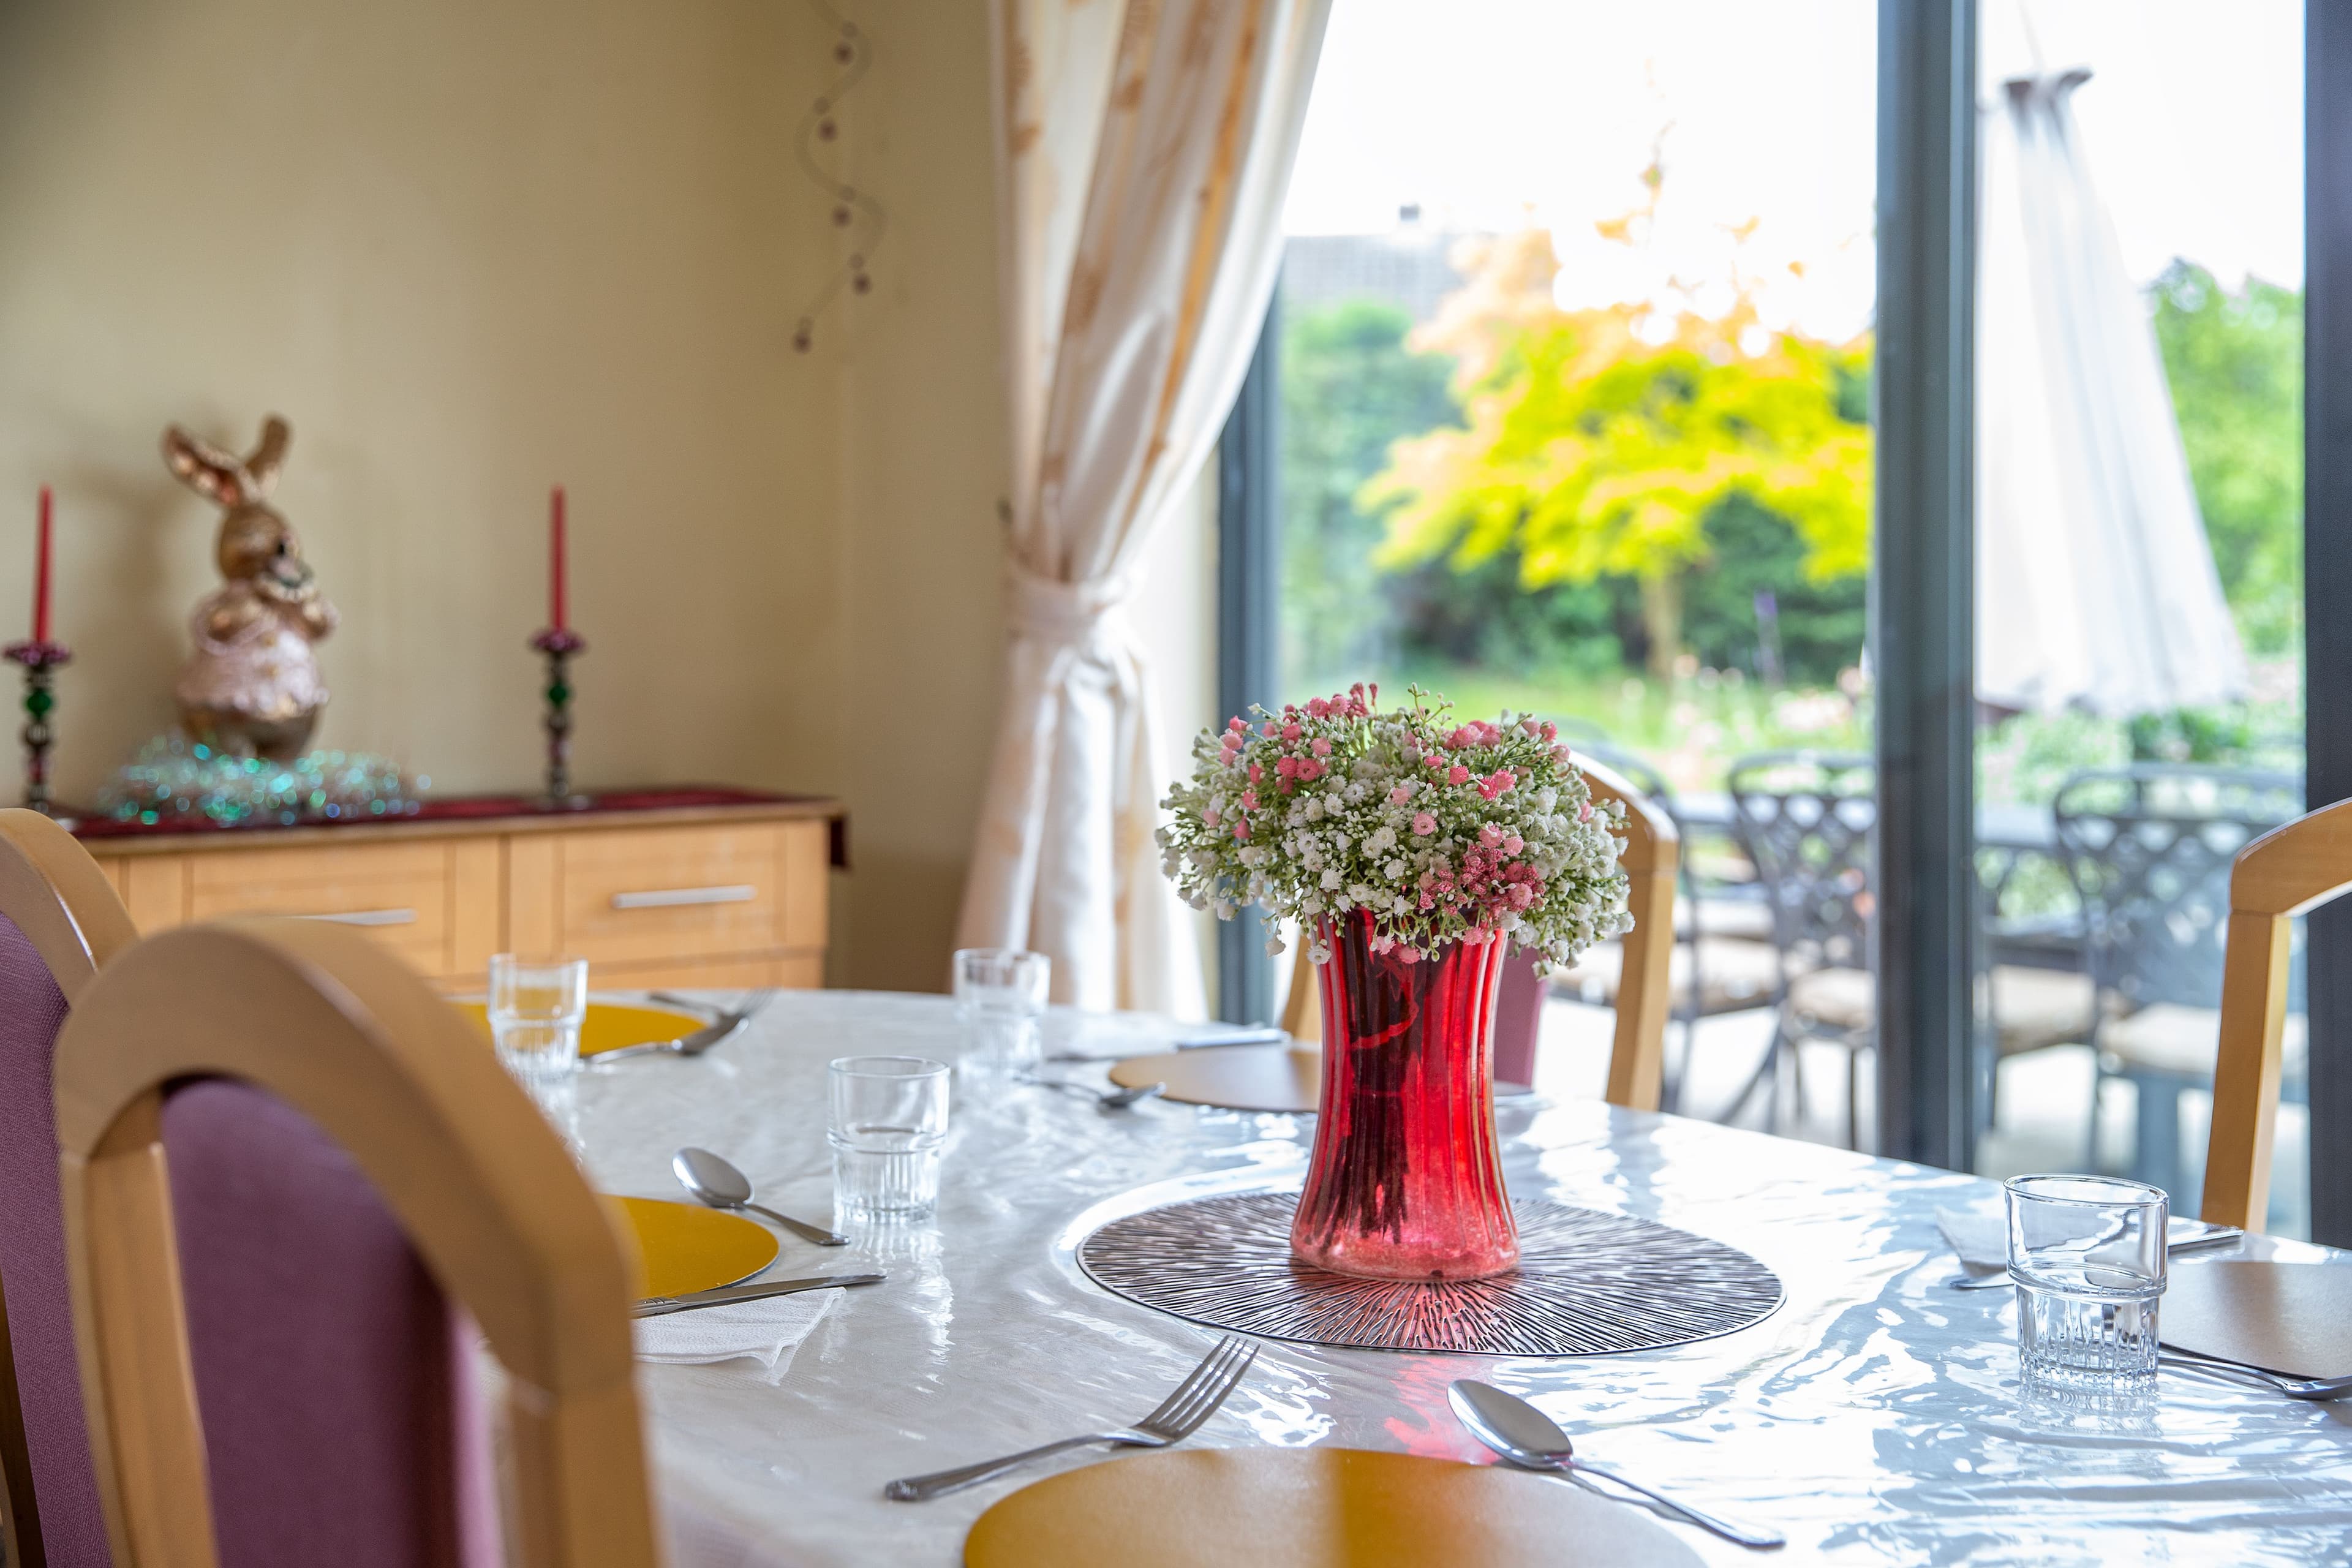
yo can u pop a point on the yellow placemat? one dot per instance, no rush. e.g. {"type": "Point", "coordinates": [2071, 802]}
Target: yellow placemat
{"type": "Point", "coordinates": [2295, 1318]}
{"type": "Point", "coordinates": [1313, 1508]}
{"type": "Point", "coordinates": [689, 1248]}
{"type": "Point", "coordinates": [1271, 1077]}
{"type": "Point", "coordinates": [609, 1026]}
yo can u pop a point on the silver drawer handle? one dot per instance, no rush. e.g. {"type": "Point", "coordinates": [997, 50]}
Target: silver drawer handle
{"type": "Point", "coordinates": [671, 898]}
{"type": "Point", "coordinates": [367, 917]}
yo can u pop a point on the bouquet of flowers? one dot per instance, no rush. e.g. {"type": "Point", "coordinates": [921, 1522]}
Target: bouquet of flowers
{"type": "Point", "coordinates": [1473, 833]}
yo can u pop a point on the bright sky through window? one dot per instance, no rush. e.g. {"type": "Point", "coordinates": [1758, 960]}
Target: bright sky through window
{"type": "Point", "coordinates": [1491, 113]}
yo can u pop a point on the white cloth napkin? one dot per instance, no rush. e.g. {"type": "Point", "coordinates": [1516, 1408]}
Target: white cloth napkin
{"type": "Point", "coordinates": [767, 1332]}
{"type": "Point", "coordinates": [1981, 1239]}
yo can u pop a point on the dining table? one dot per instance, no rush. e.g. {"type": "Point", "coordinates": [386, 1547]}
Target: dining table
{"type": "Point", "coordinates": [1876, 1416]}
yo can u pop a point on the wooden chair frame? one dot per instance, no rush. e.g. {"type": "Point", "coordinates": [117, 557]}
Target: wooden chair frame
{"type": "Point", "coordinates": [2283, 874]}
{"type": "Point", "coordinates": [70, 911]}
{"type": "Point", "coordinates": [1653, 856]}
{"type": "Point", "coordinates": [341, 1030]}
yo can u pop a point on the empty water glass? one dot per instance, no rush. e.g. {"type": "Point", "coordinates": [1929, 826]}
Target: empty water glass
{"type": "Point", "coordinates": [999, 993]}
{"type": "Point", "coordinates": [2087, 1254]}
{"type": "Point", "coordinates": [536, 1007]}
{"type": "Point", "coordinates": [887, 1121]}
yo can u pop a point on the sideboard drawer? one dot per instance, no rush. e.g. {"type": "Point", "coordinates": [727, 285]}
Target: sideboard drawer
{"type": "Point", "coordinates": [401, 894]}
{"type": "Point", "coordinates": [665, 894]}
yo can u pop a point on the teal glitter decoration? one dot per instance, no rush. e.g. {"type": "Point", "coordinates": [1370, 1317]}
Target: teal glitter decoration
{"type": "Point", "coordinates": [173, 779]}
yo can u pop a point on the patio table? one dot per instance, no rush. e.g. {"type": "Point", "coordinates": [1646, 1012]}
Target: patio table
{"type": "Point", "coordinates": [1877, 1417]}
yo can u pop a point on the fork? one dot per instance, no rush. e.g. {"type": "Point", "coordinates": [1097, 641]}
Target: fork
{"type": "Point", "coordinates": [2319, 1389]}
{"type": "Point", "coordinates": [724, 1027]}
{"type": "Point", "coordinates": [1179, 1416]}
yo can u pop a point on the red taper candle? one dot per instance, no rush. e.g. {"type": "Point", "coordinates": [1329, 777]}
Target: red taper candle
{"type": "Point", "coordinates": [554, 558]}
{"type": "Point", "coordinates": [41, 574]}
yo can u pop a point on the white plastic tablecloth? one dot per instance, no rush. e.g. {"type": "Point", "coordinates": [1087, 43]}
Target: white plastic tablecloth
{"type": "Point", "coordinates": [1877, 1417]}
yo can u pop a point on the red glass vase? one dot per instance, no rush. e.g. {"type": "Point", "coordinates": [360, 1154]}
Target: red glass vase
{"type": "Point", "coordinates": [1406, 1180]}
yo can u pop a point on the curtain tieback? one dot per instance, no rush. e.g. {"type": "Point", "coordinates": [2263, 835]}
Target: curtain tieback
{"type": "Point", "coordinates": [1059, 613]}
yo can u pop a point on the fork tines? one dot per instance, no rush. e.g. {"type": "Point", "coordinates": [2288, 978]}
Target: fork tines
{"type": "Point", "coordinates": [1199, 1395]}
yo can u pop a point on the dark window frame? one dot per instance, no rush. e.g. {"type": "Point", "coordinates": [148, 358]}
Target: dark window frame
{"type": "Point", "coordinates": [2327, 579]}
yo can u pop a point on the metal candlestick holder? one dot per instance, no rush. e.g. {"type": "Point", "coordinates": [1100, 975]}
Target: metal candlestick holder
{"type": "Point", "coordinates": [41, 659]}
{"type": "Point", "coordinates": [561, 646]}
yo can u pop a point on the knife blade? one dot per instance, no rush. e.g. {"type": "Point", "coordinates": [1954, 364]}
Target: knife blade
{"type": "Point", "coordinates": [656, 1306]}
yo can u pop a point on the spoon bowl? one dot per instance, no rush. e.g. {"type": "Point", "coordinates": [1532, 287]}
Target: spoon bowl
{"type": "Point", "coordinates": [716, 1182]}
{"type": "Point", "coordinates": [1527, 1438]}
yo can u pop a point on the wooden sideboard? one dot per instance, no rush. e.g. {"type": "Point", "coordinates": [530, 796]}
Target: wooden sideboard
{"type": "Point", "coordinates": [653, 887]}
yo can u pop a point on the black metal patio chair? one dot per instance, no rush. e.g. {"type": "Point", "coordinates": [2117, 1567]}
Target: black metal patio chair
{"type": "Point", "coordinates": [2149, 848]}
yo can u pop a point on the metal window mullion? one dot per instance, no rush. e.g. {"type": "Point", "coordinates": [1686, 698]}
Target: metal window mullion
{"type": "Point", "coordinates": [1249, 582]}
{"type": "Point", "coordinates": [2327, 582]}
{"type": "Point", "coordinates": [1922, 611]}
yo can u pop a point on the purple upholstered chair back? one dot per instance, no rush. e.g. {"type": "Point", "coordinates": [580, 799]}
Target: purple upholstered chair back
{"type": "Point", "coordinates": [332, 1378]}
{"type": "Point", "coordinates": [33, 1261]}
{"type": "Point", "coordinates": [1518, 1019]}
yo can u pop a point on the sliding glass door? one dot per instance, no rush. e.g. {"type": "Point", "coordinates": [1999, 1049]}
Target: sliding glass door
{"type": "Point", "coordinates": [1877, 427]}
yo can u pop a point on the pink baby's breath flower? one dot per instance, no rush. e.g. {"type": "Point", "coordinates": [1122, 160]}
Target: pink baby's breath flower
{"type": "Point", "coordinates": [1212, 817]}
{"type": "Point", "coordinates": [1270, 730]}
{"type": "Point", "coordinates": [1291, 732]}
{"type": "Point", "coordinates": [1321, 748]}
{"type": "Point", "coordinates": [1490, 836]}
{"type": "Point", "coordinates": [1241, 828]}
{"type": "Point", "coordinates": [1514, 844]}
{"type": "Point", "coordinates": [1311, 769]}
{"type": "Point", "coordinates": [1408, 954]}
{"type": "Point", "coordinates": [1249, 800]}
{"type": "Point", "coordinates": [1584, 811]}
{"type": "Point", "coordinates": [1400, 794]}
{"type": "Point", "coordinates": [1498, 782]}
{"type": "Point", "coordinates": [1257, 774]}
{"type": "Point", "coordinates": [1550, 732]}
{"type": "Point", "coordinates": [1317, 708]}
{"type": "Point", "coordinates": [1424, 823]}
{"type": "Point", "coordinates": [1457, 773]}
{"type": "Point", "coordinates": [1433, 761]}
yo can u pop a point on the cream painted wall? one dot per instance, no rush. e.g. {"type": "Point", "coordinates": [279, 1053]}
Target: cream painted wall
{"type": "Point", "coordinates": [467, 250]}
{"type": "Point", "coordinates": [470, 251]}
{"type": "Point", "coordinates": [922, 471]}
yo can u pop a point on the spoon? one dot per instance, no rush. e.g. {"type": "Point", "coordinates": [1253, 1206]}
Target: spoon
{"type": "Point", "coordinates": [1109, 1099]}
{"type": "Point", "coordinates": [722, 1186]}
{"type": "Point", "coordinates": [1531, 1439]}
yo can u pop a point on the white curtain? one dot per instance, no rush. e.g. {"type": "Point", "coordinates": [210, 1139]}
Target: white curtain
{"type": "Point", "coordinates": [2095, 586]}
{"type": "Point", "coordinates": [1143, 147]}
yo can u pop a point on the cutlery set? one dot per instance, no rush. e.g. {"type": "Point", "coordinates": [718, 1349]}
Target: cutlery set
{"type": "Point", "coordinates": [1521, 1434]}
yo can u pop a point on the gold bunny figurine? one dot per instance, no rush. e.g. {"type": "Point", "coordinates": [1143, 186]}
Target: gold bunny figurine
{"type": "Point", "coordinates": [252, 686]}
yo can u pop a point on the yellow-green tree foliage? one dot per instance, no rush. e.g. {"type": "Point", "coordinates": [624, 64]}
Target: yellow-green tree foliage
{"type": "Point", "coordinates": [1598, 441]}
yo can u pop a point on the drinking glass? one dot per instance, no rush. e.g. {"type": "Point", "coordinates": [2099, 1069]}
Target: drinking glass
{"type": "Point", "coordinates": [999, 993]}
{"type": "Point", "coordinates": [536, 1006]}
{"type": "Point", "coordinates": [2087, 1254]}
{"type": "Point", "coordinates": [886, 1119]}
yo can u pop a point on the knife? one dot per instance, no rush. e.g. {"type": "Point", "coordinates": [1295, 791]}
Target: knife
{"type": "Point", "coordinates": [1235, 1037]}
{"type": "Point", "coordinates": [657, 1306]}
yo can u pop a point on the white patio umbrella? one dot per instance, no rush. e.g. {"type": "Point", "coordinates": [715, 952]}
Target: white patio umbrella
{"type": "Point", "coordinates": [2095, 586]}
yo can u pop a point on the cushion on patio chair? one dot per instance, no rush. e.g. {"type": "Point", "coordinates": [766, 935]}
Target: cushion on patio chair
{"type": "Point", "coordinates": [1747, 919]}
{"type": "Point", "coordinates": [2034, 1008]}
{"type": "Point", "coordinates": [1733, 976]}
{"type": "Point", "coordinates": [1844, 999]}
{"type": "Point", "coordinates": [2185, 1042]}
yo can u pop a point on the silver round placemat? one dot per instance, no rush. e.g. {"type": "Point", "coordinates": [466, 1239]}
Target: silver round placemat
{"type": "Point", "coordinates": [1587, 1283]}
